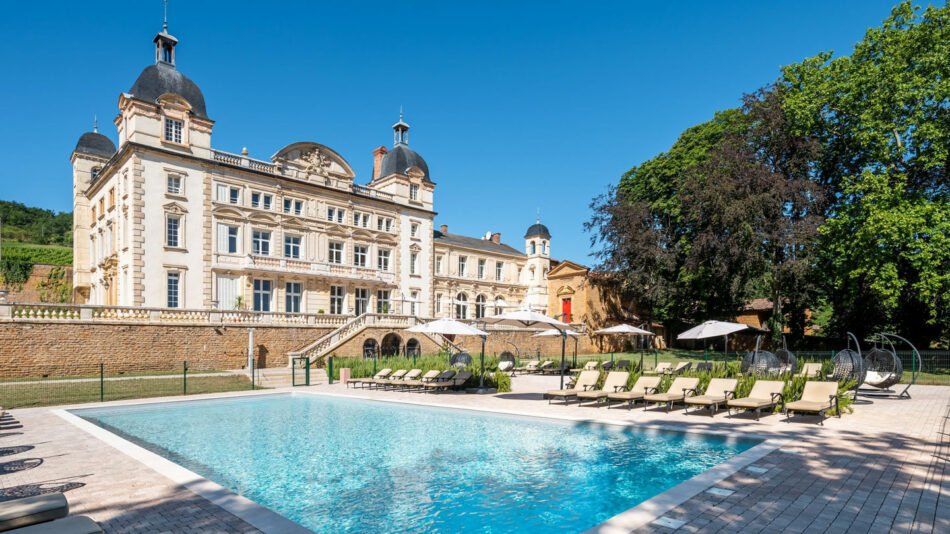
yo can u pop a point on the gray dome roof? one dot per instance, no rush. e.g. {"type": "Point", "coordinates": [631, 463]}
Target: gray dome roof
{"type": "Point", "coordinates": [160, 78]}
{"type": "Point", "coordinates": [399, 159]}
{"type": "Point", "coordinates": [538, 230]}
{"type": "Point", "coordinates": [95, 144]}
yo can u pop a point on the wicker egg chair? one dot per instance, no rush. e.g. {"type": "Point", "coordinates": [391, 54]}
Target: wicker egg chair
{"type": "Point", "coordinates": [883, 368]}
{"type": "Point", "coordinates": [460, 360]}
{"type": "Point", "coordinates": [849, 365]}
{"type": "Point", "coordinates": [760, 363]}
{"type": "Point", "coordinates": [506, 361]}
{"type": "Point", "coordinates": [787, 358]}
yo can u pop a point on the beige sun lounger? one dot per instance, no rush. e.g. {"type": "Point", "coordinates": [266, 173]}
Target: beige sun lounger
{"type": "Point", "coordinates": [363, 381]}
{"type": "Point", "coordinates": [77, 524]}
{"type": "Point", "coordinates": [585, 381]}
{"type": "Point", "coordinates": [456, 382]}
{"type": "Point", "coordinates": [31, 510]}
{"type": "Point", "coordinates": [811, 370]}
{"type": "Point", "coordinates": [544, 366]}
{"type": "Point", "coordinates": [764, 394]}
{"type": "Point", "coordinates": [589, 366]}
{"type": "Point", "coordinates": [419, 382]}
{"type": "Point", "coordinates": [529, 366]}
{"type": "Point", "coordinates": [681, 368]}
{"type": "Point", "coordinates": [616, 381]}
{"type": "Point", "coordinates": [717, 392]}
{"type": "Point", "coordinates": [661, 368]}
{"type": "Point", "coordinates": [680, 389]}
{"type": "Point", "coordinates": [383, 381]}
{"type": "Point", "coordinates": [643, 386]}
{"type": "Point", "coordinates": [408, 377]}
{"type": "Point", "coordinates": [817, 397]}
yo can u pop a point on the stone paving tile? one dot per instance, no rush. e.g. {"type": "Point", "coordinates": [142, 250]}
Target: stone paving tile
{"type": "Point", "coordinates": [881, 469]}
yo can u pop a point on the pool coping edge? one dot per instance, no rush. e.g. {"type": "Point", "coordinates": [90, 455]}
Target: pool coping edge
{"type": "Point", "coordinates": [258, 516]}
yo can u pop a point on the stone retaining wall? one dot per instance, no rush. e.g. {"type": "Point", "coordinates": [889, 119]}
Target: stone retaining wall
{"type": "Point", "coordinates": [36, 349]}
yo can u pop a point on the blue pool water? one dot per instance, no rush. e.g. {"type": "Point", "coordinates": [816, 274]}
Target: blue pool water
{"type": "Point", "coordinates": [334, 464]}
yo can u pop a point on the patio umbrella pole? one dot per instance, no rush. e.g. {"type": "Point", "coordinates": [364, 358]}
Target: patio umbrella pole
{"type": "Point", "coordinates": [563, 350]}
{"type": "Point", "coordinates": [481, 381]}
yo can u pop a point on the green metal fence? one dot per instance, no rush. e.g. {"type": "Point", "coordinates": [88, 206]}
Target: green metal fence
{"type": "Point", "coordinates": [97, 382]}
{"type": "Point", "coordinates": [300, 371]}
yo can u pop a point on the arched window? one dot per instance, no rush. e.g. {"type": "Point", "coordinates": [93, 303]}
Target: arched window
{"type": "Point", "coordinates": [499, 305]}
{"type": "Point", "coordinates": [532, 247]}
{"type": "Point", "coordinates": [370, 348]}
{"type": "Point", "coordinates": [391, 345]}
{"type": "Point", "coordinates": [544, 247]}
{"type": "Point", "coordinates": [461, 306]}
{"type": "Point", "coordinates": [480, 306]}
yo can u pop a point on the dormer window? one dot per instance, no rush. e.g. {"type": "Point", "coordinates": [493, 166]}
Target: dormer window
{"type": "Point", "coordinates": [173, 130]}
{"type": "Point", "coordinates": [413, 192]}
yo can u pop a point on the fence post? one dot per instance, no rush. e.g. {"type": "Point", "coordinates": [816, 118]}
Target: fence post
{"type": "Point", "coordinates": [102, 382]}
{"type": "Point", "coordinates": [307, 372]}
{"type": "Point", "coordinates": [330, 369]}
{"type": "Point", "coordinates": [184, 377]}
{"type": "Point", "coordinates": [706, 354]}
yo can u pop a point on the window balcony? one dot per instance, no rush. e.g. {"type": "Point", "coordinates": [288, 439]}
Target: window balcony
{"type": "Point", "coordinates": [294, 266]}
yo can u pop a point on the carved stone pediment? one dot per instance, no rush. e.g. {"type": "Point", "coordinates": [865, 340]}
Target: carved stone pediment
{"type": "Point", "coordinates": [313, 160]}
{"type": "Point", "coordinates": [174, 208]}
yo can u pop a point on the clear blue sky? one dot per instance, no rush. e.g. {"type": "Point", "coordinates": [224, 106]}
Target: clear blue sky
{"type": "Point", "coordinates": [514, 105]}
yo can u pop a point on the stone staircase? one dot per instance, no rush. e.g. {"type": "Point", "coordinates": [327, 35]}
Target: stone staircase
{"type": "Point", "coordinates": [328, 343]}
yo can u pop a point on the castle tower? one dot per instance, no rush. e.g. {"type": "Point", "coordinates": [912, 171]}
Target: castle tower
{"type": "Point", "coordinates": [537, 242]}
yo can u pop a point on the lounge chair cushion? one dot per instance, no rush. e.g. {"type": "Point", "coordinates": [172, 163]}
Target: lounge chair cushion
{"type": "Point", "coordinates": [808, 406]}
{"type": "Point", "coordinates": [77, 524]}
{"type": "Point", "coordinates": [751, 402]}
{"type": "Point", "coordinates": [706, 400]}
{"type": "Point", "coordinates": [31, 510]}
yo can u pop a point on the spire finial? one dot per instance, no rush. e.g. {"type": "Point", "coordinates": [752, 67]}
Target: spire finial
{"type": "Point", "coordinates": [400, 112]}
{"type": "Point", "coordinates": [539, 215]}
{"type": "Point", "coordinates": [165, 24]}
{"type": "Point", "coordinates": [95, 123]}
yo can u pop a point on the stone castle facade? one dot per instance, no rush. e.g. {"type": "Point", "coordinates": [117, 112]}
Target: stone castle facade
{"type": "Point", "coordinates": [167, 221]}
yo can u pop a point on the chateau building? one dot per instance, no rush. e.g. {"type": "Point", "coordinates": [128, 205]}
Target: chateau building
{"type": "Point", "coordinates": [166, 220]}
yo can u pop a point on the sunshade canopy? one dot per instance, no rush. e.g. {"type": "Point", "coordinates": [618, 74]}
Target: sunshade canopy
{"type": "Point", "coordinates": [625, 329]}
{"type": "Point", "coordinates": [447, 327]}
{"type": "Point", "coordinates": [525, 319]}
{"type": "Point", "coordinates": [712, 329]}
{"type": "Point", "coordinates": [556, 332]}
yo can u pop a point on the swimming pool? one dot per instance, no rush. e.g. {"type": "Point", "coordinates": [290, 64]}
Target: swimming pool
{"type": "Point", "coordinates": [341, 464]}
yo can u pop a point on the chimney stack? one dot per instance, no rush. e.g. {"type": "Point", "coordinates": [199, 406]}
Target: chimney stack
{"type": "Point", "coordinates": [496, 237]}
{"type": "Point", "coordinates": [444, 228]}
{"type": "Point", "coordinates": [378, 160]}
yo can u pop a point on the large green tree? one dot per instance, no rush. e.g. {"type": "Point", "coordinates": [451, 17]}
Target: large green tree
{"type": "Point", "coordinates": [882, 115]}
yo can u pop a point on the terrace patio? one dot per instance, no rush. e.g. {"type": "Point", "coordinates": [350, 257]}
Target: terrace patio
{"type": "Point", "coordinates": [881, 469]}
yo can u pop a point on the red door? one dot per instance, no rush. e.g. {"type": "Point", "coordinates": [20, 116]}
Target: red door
{"type": "Point", "coordinates": [566, 310]}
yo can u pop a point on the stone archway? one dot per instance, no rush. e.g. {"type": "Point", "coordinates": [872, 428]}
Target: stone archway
{"type": "Point", "coordinates": [391, 345]}
{"type": "Point", "coordinates": [413, 347]}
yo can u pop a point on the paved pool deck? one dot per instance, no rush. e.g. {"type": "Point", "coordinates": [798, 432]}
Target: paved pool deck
{"type": "Point", "coordinates": [881, 469]}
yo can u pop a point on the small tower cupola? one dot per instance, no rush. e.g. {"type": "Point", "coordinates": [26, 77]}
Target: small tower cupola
{"type": "Point", "coordinates": [165, 44]}
{"type": "Point", "coordinates": [400, 131]}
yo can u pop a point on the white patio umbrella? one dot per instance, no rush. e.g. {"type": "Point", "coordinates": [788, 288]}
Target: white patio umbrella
{"type": "Point", "coordinates": [530, 319]}
{"type": "Point", "coordinates": [451, 327]}
{"type": "Point", "coordinates": [711, 329]}
{"type": "Point", "coordinates": [626, 330]}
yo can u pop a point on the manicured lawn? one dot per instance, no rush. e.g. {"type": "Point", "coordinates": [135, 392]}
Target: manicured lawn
{"type": "Point", "coordinates": [28, 395]}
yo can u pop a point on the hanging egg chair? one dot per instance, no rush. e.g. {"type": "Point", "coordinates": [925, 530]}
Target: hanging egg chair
{"type": "Point", "coordinates": [884, 368]}
{"type": "Point", "coordinates": [506, 361]}
{"type": "Point", "coordinates": [849, 365]}
{"type": "Point", "coordinates": [760, 362]}
{"type": "Point", "coordinates": [460, 360]}
{"type": "Point", "coordinates": [787, 358]}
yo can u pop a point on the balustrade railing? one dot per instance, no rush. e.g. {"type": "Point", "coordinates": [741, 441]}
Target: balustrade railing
{"type": "Point", "coordinates": [132, 314]}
